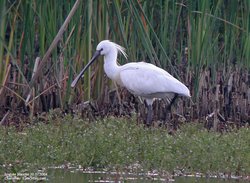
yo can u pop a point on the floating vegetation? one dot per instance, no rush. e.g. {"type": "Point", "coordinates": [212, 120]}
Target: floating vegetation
{"type": "Point", "coordinates": [121, 145]}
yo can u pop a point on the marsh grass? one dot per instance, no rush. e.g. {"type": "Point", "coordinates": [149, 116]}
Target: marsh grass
{"type": "Point", "coordinates": [117, 144]}
{"type": "Point", "coordinates": [203, 43]}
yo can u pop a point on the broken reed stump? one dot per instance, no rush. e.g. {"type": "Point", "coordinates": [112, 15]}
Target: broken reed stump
{"type": "Point", "coordinates": [216, 108]}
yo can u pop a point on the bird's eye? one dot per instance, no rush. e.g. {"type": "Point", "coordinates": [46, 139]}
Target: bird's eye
{"type": "Point", "coordinates": [101, 50]}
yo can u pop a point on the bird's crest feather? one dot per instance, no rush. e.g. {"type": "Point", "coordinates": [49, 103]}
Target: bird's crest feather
{"type": "Point", "coordinates": [121, 50]}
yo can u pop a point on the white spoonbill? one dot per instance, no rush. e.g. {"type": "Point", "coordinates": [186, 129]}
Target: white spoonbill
{"type": "Point", "coordinates": [140, 78]}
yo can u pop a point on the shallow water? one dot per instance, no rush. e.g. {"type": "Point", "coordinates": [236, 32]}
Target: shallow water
{"type": "Point", "coordinates": [67, 176]}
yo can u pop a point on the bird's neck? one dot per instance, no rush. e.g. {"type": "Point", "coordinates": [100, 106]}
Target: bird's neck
{"type": "Point", "coordinates": [110, 65]}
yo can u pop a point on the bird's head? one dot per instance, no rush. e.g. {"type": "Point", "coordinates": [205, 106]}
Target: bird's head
{"type": "Point", "coordinates": [104, 48]}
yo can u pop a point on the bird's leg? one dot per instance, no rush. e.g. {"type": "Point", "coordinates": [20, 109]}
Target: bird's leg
{"type": "Point", "coordinates": [172, 102]}
{"type": "Point", "coordinates": [168, 108]}
{"type": "Point", "coordinates": [149, 115]}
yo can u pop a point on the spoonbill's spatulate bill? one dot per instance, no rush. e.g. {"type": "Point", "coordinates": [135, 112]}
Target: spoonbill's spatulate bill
{"type": "Point", "coordinates": [140, 78]}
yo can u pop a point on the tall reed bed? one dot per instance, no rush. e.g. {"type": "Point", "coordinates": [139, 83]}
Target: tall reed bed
{"type": "Point", "coordinates": [206, 44]}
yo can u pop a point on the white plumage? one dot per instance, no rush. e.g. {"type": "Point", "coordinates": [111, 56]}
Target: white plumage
{"type": "Point", "coordinates": [147, 80]}
{"type": "Point", "coordinates": [140, 78]}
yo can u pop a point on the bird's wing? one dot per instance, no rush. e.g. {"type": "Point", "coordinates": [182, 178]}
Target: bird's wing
{"type": "Point", "coordinates": [145, 79]}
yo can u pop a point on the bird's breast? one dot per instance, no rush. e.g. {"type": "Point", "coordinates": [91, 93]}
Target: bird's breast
{"type": "Point", "coordinates": [117, 79]}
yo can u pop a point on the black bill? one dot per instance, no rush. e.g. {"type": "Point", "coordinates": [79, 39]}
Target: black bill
{"type": "Point", "coordinates": [95, 56]}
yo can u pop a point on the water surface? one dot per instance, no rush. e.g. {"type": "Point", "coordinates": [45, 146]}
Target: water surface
{"type": "Point", "coordinates": [67, 176]}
